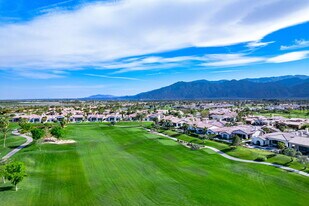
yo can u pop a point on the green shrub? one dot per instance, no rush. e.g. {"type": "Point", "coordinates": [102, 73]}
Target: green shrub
{"type": "Point", "coordinates": [261, 159]}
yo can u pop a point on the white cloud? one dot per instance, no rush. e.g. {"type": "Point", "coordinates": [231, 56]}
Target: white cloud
{"type": "Point", "coordinates": [289, 57]}
{"type": "Point", "coordinates": [99, 86]}
{"type": "Point", "coordinates": [298, 44]}
{"type": "Point", "coordinates": [255, 44]}
{"type": "Point", "coordinates": [37, 75]}
{"type": "Point", "coordinates": [113, 77]}
{"type": "Point", "coordinates": [100, 32]}
{"type": "Point", "coordinates": [228, 60]}
{"type": "Point", "coordinates": [148, 63]}
{"type": "Point", "coordinates": [225, 71]}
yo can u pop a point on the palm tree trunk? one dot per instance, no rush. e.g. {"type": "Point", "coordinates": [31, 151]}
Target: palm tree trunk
{"type": "Point", "coordinates": [4, 140]}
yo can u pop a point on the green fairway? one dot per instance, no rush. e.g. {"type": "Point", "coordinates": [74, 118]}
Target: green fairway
{"type": "Point", "coordinates": [287, 114]}
{"type": "Point", "coordinates": [125, 165]}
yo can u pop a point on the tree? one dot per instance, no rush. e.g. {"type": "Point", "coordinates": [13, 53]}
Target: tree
{"type": "Point", "coordinates": [25, 126]}
{"type": "Point", "coordinates": [204, 113]}
{"type": "Point", "coordinates": [194, 127]}
{"type": "Point", "coordinates": [63, 122]}
{"type": "Point", "coordinates": [281, 145]}
{"type": "Point", "coordinates": [236, 140]}
{"type": "Point", "coordinates": [122, 114]}
{"type": "Point", "coordinates": [304, 160]}
{"type": "Point", "coordinates": [290, 152]}
{"type": "Point", "coordinates": [57, 132]}
{"type": "Point", "coordinates": [185, 128]}
{"type": "Point", "coordinates": [305, 126]}
{"type": "Point", "coordinates": [203, 137]}
{"type": "Point", "coordinates": [195, 147]}
{"type": "Point", "coordinates": [156, 120]}
{"type": "Point", "coordinates": [4, 127]}
{"type": "Point", "coordinates": [2, 172]}
{"type": "Point", "coordinates": [140, 117]}
{"type": "Point", "coordinates": [37, 133]}
{"type": "Point", "coordinates": [15, 172]}
{"type": "Point", "coordinates": [43, 119]}
{"type": "Point", "coordinates": [205, 130]}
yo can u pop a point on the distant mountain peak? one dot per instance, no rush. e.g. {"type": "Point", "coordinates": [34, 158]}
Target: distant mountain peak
{"type": "Point", "coordinates": [100, 96]}
{"type": "Point", "coordinates": [283, 87]}
{"type": "Point", "coordinates": [296, 86]}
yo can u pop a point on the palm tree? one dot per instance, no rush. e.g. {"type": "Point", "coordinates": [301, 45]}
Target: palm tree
{"type": "Point", "coordinates": [205, 130]}
{"type": "Point", "coordinates": [4, 127]}
{"type": "Point", "coordinates": [122, 114]}
{"type": "Point", "coordinates": [194, 127]}
{"type": "Point", "coordinates": [140, 117]}
{"type": "Point", "coordinates": [185, 128]}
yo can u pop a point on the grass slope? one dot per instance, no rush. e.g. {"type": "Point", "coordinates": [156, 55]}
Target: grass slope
{"type": "Point", "coordinates": [12, 142]}
{"type": "Point", "coordinates": [241, 152]}
{"type": "Point", "coordinates": [127, 166]}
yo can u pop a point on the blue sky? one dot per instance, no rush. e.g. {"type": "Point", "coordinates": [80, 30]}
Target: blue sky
{"type": "Point", "coordinates": [59, 49]}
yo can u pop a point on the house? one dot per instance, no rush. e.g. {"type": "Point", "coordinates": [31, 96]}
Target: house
{"type": "Point", "coordinates": [15, 119]}
{"type": "Point", "coordinates": [50, 118]}
{"type": "Point", "coordinates": [34, 118]}
{"type": "Point", "coordinates": [300, 143]}
{"type": "Point", "coordinates": [298, 140]}
{"type": "Point", "coordinates": [223, 115]}
{"type": "Point", "coordinates": [131, 117]}
{"type": "Point", "coordinates": [59, 118]}
{"type": "Point", "coordinates": [76, 118]}
{"type": "Point", "coordinates": [113, 118]}
{"type": "Point", "coordinates": [243, 131]}
{"type": "Point", "coordinates": [258, 121]}
{"type": "Point", "coordinates": [95, 118]}
{"type": "Point", "coordinates": [295, 123]}
{"type": "Point", "coordinates": [272, 139]}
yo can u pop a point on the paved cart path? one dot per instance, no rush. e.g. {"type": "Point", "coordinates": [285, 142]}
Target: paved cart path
{"type": "Point", "coordinates": [241, 160]}
{"type": "Point", "coordinates": [14, 151]}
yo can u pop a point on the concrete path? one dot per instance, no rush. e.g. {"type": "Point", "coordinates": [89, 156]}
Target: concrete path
{"type": "Point", "coordinates": [241, 160]}
{"type": "Point", "coordinates": [14, 151]}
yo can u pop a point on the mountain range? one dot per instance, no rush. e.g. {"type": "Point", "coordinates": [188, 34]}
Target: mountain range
{"type": "Point", "coordinates": [283, 87]}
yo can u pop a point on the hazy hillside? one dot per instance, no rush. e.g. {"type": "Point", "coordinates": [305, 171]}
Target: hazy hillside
{"type": "Point", "coordinates": [260, 88]}
{"type": "Point", "coordinates": [287, 87]}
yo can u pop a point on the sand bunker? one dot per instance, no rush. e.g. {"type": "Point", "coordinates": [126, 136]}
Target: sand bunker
{"type": "Point", "coordinates": [53, 140]}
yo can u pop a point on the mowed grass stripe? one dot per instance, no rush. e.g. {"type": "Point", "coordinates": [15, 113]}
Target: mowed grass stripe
{"type": "Point", "coordinates": [136, 144]}
{"type": "Point", "coordinates": [123, 175]}
{"type": "Point", "coordinates": [128, 166]}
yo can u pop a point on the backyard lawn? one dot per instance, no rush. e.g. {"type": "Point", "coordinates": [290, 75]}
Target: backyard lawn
{"type": "Point", "coordinates": [125, 165]}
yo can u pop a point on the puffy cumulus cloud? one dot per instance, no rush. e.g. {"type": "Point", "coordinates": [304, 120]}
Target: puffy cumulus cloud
{"type": "Point", "coordinates": [102, 32]}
